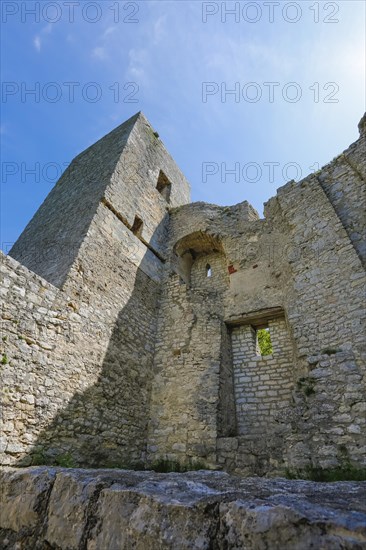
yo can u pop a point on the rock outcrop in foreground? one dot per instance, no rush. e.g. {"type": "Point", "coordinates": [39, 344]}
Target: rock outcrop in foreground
{"type": "Point", "coordinates": [57, 508]}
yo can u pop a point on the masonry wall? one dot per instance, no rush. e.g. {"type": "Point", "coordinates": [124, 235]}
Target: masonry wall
{"type": "Point", "coordinates": [301, 261]}
{"type": "Point", "coordinates": [122, 170]}
{"type": "Point", "coordinates": [49, 244]}
{"type": "Point", "coordinates": [89, 399]}
{"type": "Point", "coordinates": [325, 307]}
{"type": "Point", "coordinates": [325, 301]}
{"type": "Point", "coordinates": [344, 182]}
{"type": "Point", "coordinates": [263, 385]}
{"type": "Point", "coordinates": [189, 367]}
{"type": "Point", "coordinates": [133, 189]}
{"type": "Point", "coordinates": [323, 297]}
{"type": "Point", "coordinates": [140, 355]}
{"type": "Point", "coordinates": [112, 273]}
{"type": "Point", "coordinates": [74, 384]}
{"type": "Point", "coordinates": [193, 395]}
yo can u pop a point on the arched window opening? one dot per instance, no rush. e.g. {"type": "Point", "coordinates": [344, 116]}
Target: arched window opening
{"type": "Point", "coordinates": [208, 270]}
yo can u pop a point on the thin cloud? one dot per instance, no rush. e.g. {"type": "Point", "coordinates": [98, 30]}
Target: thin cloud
{"type": "Point", "coordinates": [47, 29]}
{"type": "Point", "coordinates": [109, 30]}
{"type": "Point", "coordinates": [37, 43]}
{"type": "Point", "coordinates": [138, 62]}
{"type": "Point", "coordinates": [99, 53]}
{"type": "Point", "coordinates": [38, 39]}
{"type": "Point", "coordinates": [159, 29]}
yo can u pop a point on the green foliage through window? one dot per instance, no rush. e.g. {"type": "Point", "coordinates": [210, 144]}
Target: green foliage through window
{"type": "Point", "coordinates": [264, 341]}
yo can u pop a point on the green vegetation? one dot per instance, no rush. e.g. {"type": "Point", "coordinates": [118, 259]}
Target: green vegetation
{"type": "Point", "coordinates": [306, 385]}
{"type": "Point", "coordinates": [39, 459]}
{"type": "Point", "coordinates": [4, 360]}
{"type": "Point", "coordinates": [164, 466]}
{"type": "Point", "coordinates": [264, 341]}
{"type": "Point", "coordinates": [66, 460]}
{"type": "Point", "coordinates": [341, 473]}
{"type": "Point", "coordinates": [122, 465]}
{"type": "Point", "coordinates": [346, 471]}
{"type": "Point", "coordinates": [153, 136]}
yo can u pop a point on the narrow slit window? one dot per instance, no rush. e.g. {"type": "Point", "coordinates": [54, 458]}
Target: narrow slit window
{"type": "Point", "coordinates": [137, 226]}
{"type": "Point", "coordinates": [208, 270]}
{"type": "Point", "coordinates": [164, 186]}
{"type": "Point", "coordinates": [263, 342]}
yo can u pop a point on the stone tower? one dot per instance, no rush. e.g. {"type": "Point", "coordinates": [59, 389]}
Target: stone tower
{"type": "Point", "coordinates": [129, 173]}
{"type": "Point", "coordinates": [100, 237]}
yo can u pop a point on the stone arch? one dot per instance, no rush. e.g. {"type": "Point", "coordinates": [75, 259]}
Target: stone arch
{"type": "Point", "coordinates": [198, 248]}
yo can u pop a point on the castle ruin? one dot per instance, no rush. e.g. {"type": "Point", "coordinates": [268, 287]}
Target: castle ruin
{"type": "Point", "coordinates": [130, 318]}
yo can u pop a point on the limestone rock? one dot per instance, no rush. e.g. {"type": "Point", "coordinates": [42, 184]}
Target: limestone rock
{"type": "Point", "coordinates": [74, 509]}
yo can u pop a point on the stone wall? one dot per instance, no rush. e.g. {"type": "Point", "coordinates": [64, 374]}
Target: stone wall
{"type": "Point", "coordinates": [50, 242]}
{"type": "Point", "coordinates": [122, 169]}
{"type": "Point", "coordinates": [300, 263]}
{"type": "Point", "coordinates": [99, 379]}
{"type": "Point", "coordinates": [147, 349]}
{"type": "Point", "coordinates": [344, 182]}
{"type": "Point", "coordinates": [263, 385]}
{"type": "Point", "coordinates": [185, 395]}
{"type": "Point", "coordinates": [75, 378]}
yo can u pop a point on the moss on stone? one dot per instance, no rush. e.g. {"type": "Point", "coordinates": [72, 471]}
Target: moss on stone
{"type": "Point", "coordinates": [341, 473]}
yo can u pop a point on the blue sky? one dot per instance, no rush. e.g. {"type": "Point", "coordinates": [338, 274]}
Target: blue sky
{"type": "Point", "coordinates": [297, 69]}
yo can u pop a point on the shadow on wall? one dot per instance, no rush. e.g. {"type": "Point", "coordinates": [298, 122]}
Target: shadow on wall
{"type": "Point", "coordinates": [106, 425]}
{"type": "Point", "coordinates": [193, 399]}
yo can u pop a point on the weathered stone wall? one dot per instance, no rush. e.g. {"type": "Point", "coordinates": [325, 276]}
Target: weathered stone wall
{"type": "Point", "coordinates": [185, 396]}
{"type": "Point", "coordinates": [263, 385]}
{"type": "Point", "coordinates": [225, 239]}
{"type": "Point", "coordinates": [72, 381]}
{"type": "Point", "coordinates": [325, 298]}
{"type": "Point", "coordinates": [50, 242]}
{"type": "Point", "coordinates": [344, 182]}
{"type": "Point", "coordinates": [298, 260]}
{"type": "Point", "coordinates": [122, 169]}
{"type": "Point", "coordinates": [148, 347]}
{"type": "Point", "coordinates": [101, 378]}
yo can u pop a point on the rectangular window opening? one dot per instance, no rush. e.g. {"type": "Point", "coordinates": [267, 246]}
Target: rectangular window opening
{"type": "Point", "coordinates": [137, 226]}
{"type": "Point", "coordinates": [164, 186]}
{"type": "Point", "coordinates": [263, 343]}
